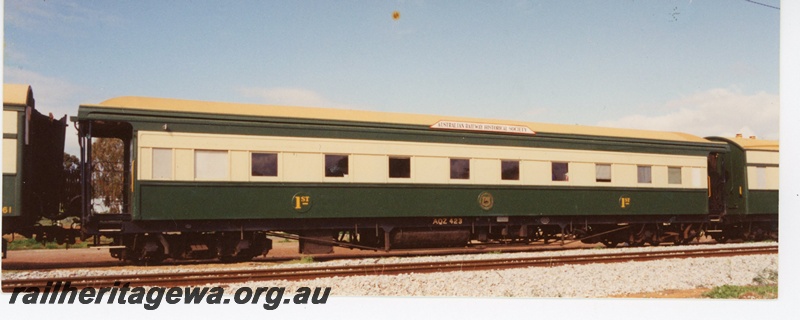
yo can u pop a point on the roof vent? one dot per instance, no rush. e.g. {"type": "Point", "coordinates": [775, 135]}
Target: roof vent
{"type": "Point", "coordinates": [738, 135]}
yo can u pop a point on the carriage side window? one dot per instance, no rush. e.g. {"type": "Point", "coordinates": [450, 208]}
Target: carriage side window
{"type": "Point", "coordinates": [643, 174]}
{"type": "Point", "coordinates": [674, 175]}
{"type": "Point", "coordinates": [560, 171]}
{"type": "Point", "coordinates": [602, 172]}
{"type": "Point", "coordinates": [399, 167]}
{"type": "Point", "coordinates": [211, 164]}
{"type": "Point", "coordinates": [264, 164]}
{"type": "Point", "coordinates": [162, 163]}
{"type": "Point", "coordinates": [337, 165]}
{"type": "Point", "coordinates": [459, 168]}
{"type": "Point", "coordinates": [509, 169]}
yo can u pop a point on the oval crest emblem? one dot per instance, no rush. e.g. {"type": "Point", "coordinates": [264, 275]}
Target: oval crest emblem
{"type": "Point", "coordinates": [486, 201]}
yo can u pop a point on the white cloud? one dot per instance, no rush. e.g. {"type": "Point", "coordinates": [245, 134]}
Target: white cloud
{"type": "Point", "coordinates": [11, 55]}
{"type": "Point", "coordinates": [52, 95]}
{"type": "Point", "coordinates": [26, 14]}
{"type": "Point", "coordinates": [716, 112]}
{"type": "Point", "coordinates": [536, 112]}
{"type": "Point", "coordinates": [49, 92]}
{"type": "Point", "coordinates": [37, 15]}
{"type": "Point", "coordinates": [291, 97]}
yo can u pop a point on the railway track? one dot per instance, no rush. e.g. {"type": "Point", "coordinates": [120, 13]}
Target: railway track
{"type": "Point", "coordinates": [237, 276]}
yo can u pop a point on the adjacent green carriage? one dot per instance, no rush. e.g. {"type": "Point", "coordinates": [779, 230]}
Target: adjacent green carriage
{"type": "Point", "coordinates": [33, 147]}
{"type": "Point", "coordinates": [748, 181]}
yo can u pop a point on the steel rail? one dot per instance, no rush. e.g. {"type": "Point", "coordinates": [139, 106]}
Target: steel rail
{"type": "Point", "coordinates": [239, 276]}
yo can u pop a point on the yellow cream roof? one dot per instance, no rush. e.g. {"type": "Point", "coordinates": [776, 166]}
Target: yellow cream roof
{"type": "Point", "coordinates": [755, 144]}
{"type": "Point", "coordinates": [15, 94]}
{"type": "Point", "coordinates": [177, 105]}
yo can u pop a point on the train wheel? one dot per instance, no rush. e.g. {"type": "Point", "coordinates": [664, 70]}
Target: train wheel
{"type": "Point", "coordinates": [232, 248]}
{"type": "Point", "coordinates": [148, 251]}
{"type": "Point", "coordinates": [609, 243]}
{"type": "Point", "coordinates": [773, 235]}
{"type": "Point", "coordinates": [689, 239]}
{"type": "Point", "coordinates": [720, 237]}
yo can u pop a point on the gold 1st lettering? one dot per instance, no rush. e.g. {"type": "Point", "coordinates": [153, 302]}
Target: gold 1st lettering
{"type": "Point", "coordinates": [624, 202]}
{"type": "Point", "coordinates": [301, 202]}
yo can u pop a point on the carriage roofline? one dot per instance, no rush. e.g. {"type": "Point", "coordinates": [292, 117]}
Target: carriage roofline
{"type": "Point", "coordinates": [259, 110]}
{"type": "Point", "coordinates": [751, 144]}
{"type": "Point", "coordinates": [17, 95]}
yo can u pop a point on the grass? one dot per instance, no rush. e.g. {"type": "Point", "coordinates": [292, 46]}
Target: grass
{"type": "Point", "coordinates": [767, 277]}
{"type": "Point", "coordinates": [20, 243]}
{"type": "Point", "coordinates": [766, 287]}
{"type": "Point", "coordinates": [304, 259]}
{"type": "Point", "coordinates": [23, 243]}
{"type": "Point", "coordinates": [743, 292]}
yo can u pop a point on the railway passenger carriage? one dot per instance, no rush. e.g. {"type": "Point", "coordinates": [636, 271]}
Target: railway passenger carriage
{"type": "Point", "coordinates": [33, 146]}
{"type": "Point", "coordinates": [749, 178]}
{"type": "Point", "coordinates": [207, 178]}
{"type": "Point", "coordinates": [214, 180]}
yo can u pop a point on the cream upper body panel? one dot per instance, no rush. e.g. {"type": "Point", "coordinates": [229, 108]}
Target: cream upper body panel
{"type": "Point", "coordinates": [763, 161]}
{"type": "Point", "coordinates": [763, 157]}
{"type": "Point", "coordinates": [10, 122]}
{"type": "Point", "coordinates": [302, 160]}
{"type": "Point", "coordinates": [17, 95]}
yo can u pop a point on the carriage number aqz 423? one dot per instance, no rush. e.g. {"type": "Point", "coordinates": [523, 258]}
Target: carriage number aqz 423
{"type": "Point", "coordinates": [444, 221]}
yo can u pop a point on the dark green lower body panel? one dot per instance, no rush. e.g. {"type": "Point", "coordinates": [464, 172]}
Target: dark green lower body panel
{"type": "Point", "coordinates": [191, 201]}
{"type": "Point", "coordinates": [762, 202]}
{"type": "Point", "coordinates": [11, 201]}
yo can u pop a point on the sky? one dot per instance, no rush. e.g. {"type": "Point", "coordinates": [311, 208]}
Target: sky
{"type": "Point", "coordinates": [702, 67]}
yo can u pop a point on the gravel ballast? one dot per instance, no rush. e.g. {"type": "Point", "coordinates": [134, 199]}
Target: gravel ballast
{"type": "Point", "coordinates": [577, 281]}
{"type": "Point", "coordinates": [580, 281]}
